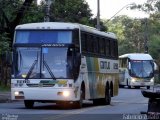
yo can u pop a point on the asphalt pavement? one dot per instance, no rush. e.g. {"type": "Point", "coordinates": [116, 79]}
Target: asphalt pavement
{"type": "Point", "coordinates": [5, 97]}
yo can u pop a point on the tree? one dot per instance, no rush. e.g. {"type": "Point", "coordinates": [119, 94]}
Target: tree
{"type": "Point", "coordinates": [71, 11]}
{"type": "Point", "coordinates": [11, 14]}
{"type": "Point", "coordinates": [4, 44]}
{"type": "Point", "coordinates": [152, 7]}
{"type": "Point", "coordinates": [14, 12]}
{"type": "Point", "coordinates": [130, 33]}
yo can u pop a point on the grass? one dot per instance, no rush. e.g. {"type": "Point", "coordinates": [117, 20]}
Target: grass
{"type": "Point", "coordinates": [4, 88]}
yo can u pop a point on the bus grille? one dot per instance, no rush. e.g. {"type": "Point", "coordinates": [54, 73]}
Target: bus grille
{"type": "Point", "coordinates": [40, 85]}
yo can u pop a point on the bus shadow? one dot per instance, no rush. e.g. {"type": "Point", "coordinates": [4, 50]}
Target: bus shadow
{"type": "Point", "coordinates": [60, 107]}
{"type": "Point", "coordinates": [130, 88]}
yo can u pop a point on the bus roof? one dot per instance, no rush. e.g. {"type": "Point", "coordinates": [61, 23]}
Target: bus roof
{"type": "Point", "coordinates": [63, 26]}
{"type": "Point", "coordinates": [137, 56]}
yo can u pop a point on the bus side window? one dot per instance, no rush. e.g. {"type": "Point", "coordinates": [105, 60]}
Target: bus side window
{"type": "Point", "coordinates": [107, 49]}
{"type": "Point", "coordinates": [113, 48]}
{"type": "Point", "coordinates": [101, 46]}
{"type": "Point", "coordinates": [89, 43]}
{"type": "Point", "coordinates": [76, 37]}
{"type": "Point", "coordinates": [116, 49]}
{"type": "Point", "coordinates": [95, 45]}
{"type": "Point", "coordinates": [84, 42]}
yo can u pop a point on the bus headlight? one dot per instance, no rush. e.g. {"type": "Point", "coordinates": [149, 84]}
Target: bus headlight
{"type": "Point", "coordinates": [152, 80]}
{"type": "Point", "coordinates": [16, 93]}
{"type": "Point", "coordinates": [133, 80]}
{"type": "Point", "coordinates": [66, 93]}
{"type": "Point", "coordinates": [24, 75]}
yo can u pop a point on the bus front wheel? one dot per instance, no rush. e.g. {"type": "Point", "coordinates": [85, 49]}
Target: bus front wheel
{"type": "Point", "coordinates": [148, 87]}
{"type": "Point", "coordinates": [78, 104]}
{"type": "Point", "coordinates": [128, 84]}
{"type": "Point", "coordinates": [28, 103]}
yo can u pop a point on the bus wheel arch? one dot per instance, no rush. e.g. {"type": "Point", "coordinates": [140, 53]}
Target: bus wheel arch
{"type": "Point", "coordinates": [79, 103]}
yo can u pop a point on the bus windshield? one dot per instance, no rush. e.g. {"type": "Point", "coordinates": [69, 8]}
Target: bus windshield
{"type": "Point", "coordinates": [142, 68]}
{"type": "Point", "coordinates": [42, 63]}
{"type": "Point", "coordinates": [43, 36]}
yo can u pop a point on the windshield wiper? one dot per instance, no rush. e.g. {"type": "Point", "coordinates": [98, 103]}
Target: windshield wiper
{"type": "Point", "coordinates": [49, 70]}
{"type": "Point", "coordinates": [31, 69]}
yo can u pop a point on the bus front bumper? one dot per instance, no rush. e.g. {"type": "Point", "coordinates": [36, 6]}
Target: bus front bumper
{"type": "Point", "coordinates": [44, 94]}
{"type": "Point", "coordinates": [142, 84]}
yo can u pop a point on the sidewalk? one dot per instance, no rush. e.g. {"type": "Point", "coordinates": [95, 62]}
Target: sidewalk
{"type": "Point", "coordinates": [5, 97]}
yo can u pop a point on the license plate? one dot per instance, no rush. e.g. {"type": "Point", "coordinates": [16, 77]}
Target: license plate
{"type": "Point", "coordinates": [142, 83]}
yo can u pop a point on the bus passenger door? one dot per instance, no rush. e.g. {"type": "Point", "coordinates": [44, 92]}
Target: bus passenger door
{"type": "Point", "coordinates": [121, 75]}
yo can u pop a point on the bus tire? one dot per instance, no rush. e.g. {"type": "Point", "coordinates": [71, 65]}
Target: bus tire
{"type": "Point", "coordinates": [148, 87]}
{"type": "Point", "coordinates": [64, 104]}
{"type": "Point", "coordinates": [28, 104]}
{"type": "Point", "coordinates": [121, 86]}
{"type": "Point", "coordinates": [137, 87]}
{"type": "Point", "coordinates": [111, 90]}
{"type": "Point", "coordinates": [107, 99]}
{"type": "Point", "coordinates": [78, 104]}
{"type": "Point", "coordinates": [128, 85]}
{"type": "Point", "coordinates": [97, 102]}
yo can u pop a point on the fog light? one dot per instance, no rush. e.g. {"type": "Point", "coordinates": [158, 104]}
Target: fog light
{"type": "Point", "coordinates": [16, 93]}
{"type": "Point", "coordinates": [66, 93]}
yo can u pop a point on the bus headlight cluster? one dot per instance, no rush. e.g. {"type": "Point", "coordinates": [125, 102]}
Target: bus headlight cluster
{"type": "Point", "coordinates": [64, 93]}
{"type": "Point", "coordinates": [152, 80]}
{"type": "Point", "coordinates": [18, 93]}
{"type": "Point", "coordinates": [133, 80]}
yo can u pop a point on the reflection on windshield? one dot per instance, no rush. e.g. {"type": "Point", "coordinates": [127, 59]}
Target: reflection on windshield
{"type": "Point", "coordinates": [43, 63]}
{"type": "Point", "coordinates": [27, 61]}
{"type": "Point", "coordinates": [28, 36]}
{"type": "Point", "coordinates": [56, 59]}
{"type": "Point", "coordinates": [141, 69]}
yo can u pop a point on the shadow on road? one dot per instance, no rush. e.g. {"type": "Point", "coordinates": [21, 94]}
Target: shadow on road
{"type": "Point", "coordinates": [53, 106]}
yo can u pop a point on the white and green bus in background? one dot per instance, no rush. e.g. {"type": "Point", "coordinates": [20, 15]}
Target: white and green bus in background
{"type": "Point", "coordinates": [136, 70]}
{"type": "Point", "coordinates": [64, 63]}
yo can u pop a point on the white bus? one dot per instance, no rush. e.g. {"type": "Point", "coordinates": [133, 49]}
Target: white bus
{"type": "Point", "coordinates": [64, 63]}
{"type": "Point", "coordinates": [137, 70]}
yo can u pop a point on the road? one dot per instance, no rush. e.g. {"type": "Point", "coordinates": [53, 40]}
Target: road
{"type": "Point", "coordinates": [128, 102]}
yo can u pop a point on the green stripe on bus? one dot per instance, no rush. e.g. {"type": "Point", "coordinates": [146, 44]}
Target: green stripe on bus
{"type": "Point", "coordinates": [96, 65]}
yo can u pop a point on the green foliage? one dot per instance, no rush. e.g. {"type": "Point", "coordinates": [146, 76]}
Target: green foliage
{"type": "Point", "coordinates": [125, 47]}
{"type": "Point", "coordinates": [34, 14]}
{"type": "Point", "coordinates": [4, 43]}
{"type": "Point", "coordinates": [116, 27]}
{"type": "Point", "coordinates": [130, 33]}
{"type": "Point", "coordinates": [151, 6]}
{"type": "Point", "coordinates": [14, 12]}
{"type": "Point", "coordinates": [154, 47]}
{"type": "Point", "coordinates": [71, 11]}
{"type": "Point", "coordinates": [4, 88]}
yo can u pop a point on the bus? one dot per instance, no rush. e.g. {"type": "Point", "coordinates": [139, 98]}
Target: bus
{"type": "Point", "coordinates": [136, 70]}
{"type": "Point", "coordinates": [64, 63]}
